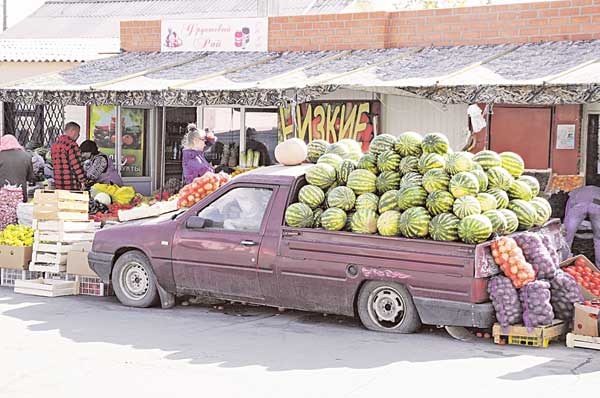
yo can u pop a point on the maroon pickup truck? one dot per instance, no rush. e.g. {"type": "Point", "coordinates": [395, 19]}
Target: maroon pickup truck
{"type": "Point", "coordinates": [234, 245]}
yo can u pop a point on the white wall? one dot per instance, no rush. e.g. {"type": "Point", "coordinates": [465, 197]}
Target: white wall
{"type": "Point", "coordinates": [78, 114]}
{"type": "Point", "coordinates": [11, 71]}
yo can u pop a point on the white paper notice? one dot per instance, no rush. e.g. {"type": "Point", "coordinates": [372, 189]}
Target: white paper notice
{"type": "Point", "coordinates": [565, 136]}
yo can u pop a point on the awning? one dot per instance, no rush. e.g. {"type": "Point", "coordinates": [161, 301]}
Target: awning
{"type": "Point", "coordinates": [531, 73]}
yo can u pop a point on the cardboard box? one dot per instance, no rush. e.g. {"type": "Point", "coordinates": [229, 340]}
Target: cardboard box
{"type": "Point", "coordinates": [15, 257]}
{"type": "Point", "coordinates": [586, 320]}
{"type": "Point", "coordinates": [77, 262]}
{"type": "Point", "coordinates": [571, 261]}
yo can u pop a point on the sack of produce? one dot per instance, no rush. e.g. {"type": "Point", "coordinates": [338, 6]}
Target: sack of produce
{"type": "Point", "coordinates": [552, 249]}
{"type": "Point", "coordinates": [537, 310]}
{"type": "Point", "coordinates": [537, 255]}
{"type": "Point", "coordinates": [510, 258]}
{"type": "Point", "coordinates": [10, 197]}
{"type": "Point", "coordinates": [505, 299]}
{"type": "Point", "coordinates": [565, 292]}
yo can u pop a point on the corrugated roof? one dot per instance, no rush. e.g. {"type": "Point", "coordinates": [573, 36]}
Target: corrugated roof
{"type": "Point", "coordinates": [56, 50]}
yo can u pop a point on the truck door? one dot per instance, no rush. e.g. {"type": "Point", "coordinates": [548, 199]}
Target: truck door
{"type": "Point", "coordinates": [222, 255]}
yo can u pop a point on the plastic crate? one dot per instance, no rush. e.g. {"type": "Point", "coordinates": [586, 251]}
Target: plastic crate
{"type": "Point", "coordinates": [9, 276]}
{"type": "Point", "coordinates": [536, 337]}
{"type": "Point", "coordinates": [91, 286]}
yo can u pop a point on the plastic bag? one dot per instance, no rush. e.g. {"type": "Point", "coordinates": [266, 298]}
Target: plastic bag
{"type": "Point", "coordinates": [565, 293]}
{"type": "Point", "coordinates": [537, 310]}
{"type": "Point", "coordinates": [123, 195]}
{"type": "Point", "coordinates": [25, 214]}
{"type": "Point", "coordinates": [106, 188]}
{"type": "Point", "coordinates": [505, 300]}
{"type": "Point", "coordinates": [537, 254]}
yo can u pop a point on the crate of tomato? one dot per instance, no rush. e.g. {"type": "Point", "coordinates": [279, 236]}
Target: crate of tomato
{"type": "Point", "coordinates": [586, 274]}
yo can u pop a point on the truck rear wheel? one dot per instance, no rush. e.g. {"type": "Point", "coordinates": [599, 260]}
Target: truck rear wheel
{"type": "Point", "coordinates": [387, 307]}
{"type": "Point", "coordinates": [133, 280]}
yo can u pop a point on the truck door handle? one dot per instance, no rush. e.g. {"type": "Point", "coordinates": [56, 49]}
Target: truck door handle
{"type": "Point", "coordinates": [248, 243]}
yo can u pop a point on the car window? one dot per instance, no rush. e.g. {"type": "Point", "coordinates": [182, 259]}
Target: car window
{"type": "Point", "coordinates": [241, 209]}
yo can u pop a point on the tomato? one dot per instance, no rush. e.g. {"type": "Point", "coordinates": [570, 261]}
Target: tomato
{"type": "Point", "coordinates": [580, 262]}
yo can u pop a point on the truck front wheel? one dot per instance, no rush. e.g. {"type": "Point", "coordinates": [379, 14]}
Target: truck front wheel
{"type": "Point", "coordinates": [133, 280]}
{"type": "Point", "coordinates": [387, 307]}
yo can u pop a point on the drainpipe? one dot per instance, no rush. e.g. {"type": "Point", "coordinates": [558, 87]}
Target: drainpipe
{"type": "Point", "coordinates": [4, 18]}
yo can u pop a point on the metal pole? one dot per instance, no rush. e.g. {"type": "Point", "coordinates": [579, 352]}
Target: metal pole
{"type": "Point", "coordinates": [4, 18]}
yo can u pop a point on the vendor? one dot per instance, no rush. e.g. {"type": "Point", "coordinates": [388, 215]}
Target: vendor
{"type": "Point", "coordinates": [98, 167]}
{"type": "Point", "coordinates": [194, 143]}
{"type": "Point", "coordinates": [16, 167]}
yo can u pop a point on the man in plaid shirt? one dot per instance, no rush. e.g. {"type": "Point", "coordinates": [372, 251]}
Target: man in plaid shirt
{"type": "Point", "coordinates": [66, 160]}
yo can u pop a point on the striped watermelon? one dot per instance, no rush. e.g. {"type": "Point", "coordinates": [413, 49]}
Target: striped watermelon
{"type": "Point", "coordinates": [411, 196]}
{"type": "Point", "coordinates": [348, 225]}
{"type": "Point", "coordinates": [364, 221]}
{"type": "Point", "coordinates": [499, 178]}
{"type": "Point", "coordinates": [354, 147]}
{"type": "Point", "coordinates": [466, 206]}
{"type": "Point", "coordinates": [386, 181]}
{"type": "Point", "coordinates": [368, 161]}
{"type": "Point", "coordinates": [439, 202]}
{"type": "Point", "coordinates": [382, 143]}
{"type": "Point", "coordinates": [512, 163]}
{"type": "Point", "coordinates": [482, 178]}
{"type": "Point", "coordinates": [533, 183]}
{"type": "Point", "coordinates": [411, 179]}
{"type": "Point", "coordinates": [543, 211]}
{"type": "Point", "coordinates": [520, 190]}
{"type": "Point", "coordinates": [316, 149]}
{"type": "Point", "coordinates": [388, 161]}
{"type": "Point", "coordinates": [317, 213]}
{"type": "Point", "coordinates": [463, 184]}
{"type": "Point", "coordinates": [331, 188]}
{"type": "Point", "coordinates": [477, 166]}
{"type": "Point", "coordinates": [338, 149]}
{"type": "Point", "coordinates": [409, 164]}
{"type": "Point", "coordinates": [388, 201]}
{"type": "Point", "coordinates": [414, 222]}
{"type": "Point", "coordinates": [333, 219]}
{"type": "Point", "coordinates": [409, 144]}
{"type": "Point", "coordinates": [368, 201]}
{"type": "Point", "coordinates": [299, 215]}
{"type": "Point", "coordinates": [321, 175]}
{"type": "Point", "coordinates": [499, 223]}
{"type": "Point", "coordinates": [487, 201]}
{"type": "Point", "coordinates": [525, 212]}
{"type": "Point", "coordinates": [436, 180]}
{"type": "Point", "coordinates": [331, 159]}
{"type": "Point", "coordinates": [501, 197]}
{"type": "Point", "coordinates": [475, 229]}
{"type": "Point", "coordinates": [435, 143]}
{"type": "Point", "coordinates": [543, 202]}
{"type": "Point", "coordinates": [458, 162]}
{"type": "Point", "coordinates": [444, 227]}
{"type": "Point", "coordinates": [311, 195]}
{"type": "Point", "coordinates": [347, 167]}
{"type": "Point", "coordinates": [361, 181]}
{"type": "Point", "coordinates": [512, 222]}
{"type": "Point", "coordinates": [388, 224]}
{"type": "Point", "coordinates": [430, 161]}
{"type": "Point", "coordinates": [488, 159]}
{"type": "Point", "coordinates": [342, 198]}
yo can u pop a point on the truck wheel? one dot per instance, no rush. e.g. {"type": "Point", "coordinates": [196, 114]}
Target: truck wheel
{"type": "Point", "coordinates": [387, 307]}
{"type": "Point", "coordinates": [133, 280]}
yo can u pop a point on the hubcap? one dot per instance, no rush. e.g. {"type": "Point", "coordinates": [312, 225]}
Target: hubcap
{"type": "Point", "coordinates": [135, 281]}
{"type": "Point", "coordinates": [386, 307]}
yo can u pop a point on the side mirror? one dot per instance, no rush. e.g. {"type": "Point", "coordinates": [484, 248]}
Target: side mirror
{"type": "Point", "coordinates": [195, 222]}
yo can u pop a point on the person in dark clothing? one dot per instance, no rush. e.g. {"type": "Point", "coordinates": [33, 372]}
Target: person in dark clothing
{"type": "Point", "coordinates": [252, 143]}
{"type": "Point", "coordinates": [98, 167]}
{"type": "Point", "coordinates": [66, 160]}
{"type": "Point", "coordinates": [16, 167]}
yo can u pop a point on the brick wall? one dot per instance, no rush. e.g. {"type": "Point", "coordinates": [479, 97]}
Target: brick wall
{"type": "Point", "coordinates": [140, 35]}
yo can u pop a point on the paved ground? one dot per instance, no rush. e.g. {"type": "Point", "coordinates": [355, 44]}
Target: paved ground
{"type": "Point", "coordinates": [93, 347]}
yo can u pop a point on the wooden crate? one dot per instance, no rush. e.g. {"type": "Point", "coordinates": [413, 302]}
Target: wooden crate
{"type": "Point", "coordinates": [65, 226]}
{"type": "Point", "coordinates": [538, 337]}
{"type": "Point", "coordinates": [580, 341]}
{"type": "Point", "coordinates": [60, 205]}
{"type": "Point", "coordinates": [63, 237]}
{"type": "Point", "coordinates": [47, 267]}
{"type": "Point", "coordinates": [48, 258]}
{"type": "Point", "coordinates": [47, 287]}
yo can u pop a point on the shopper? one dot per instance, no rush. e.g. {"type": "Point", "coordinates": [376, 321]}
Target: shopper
{"type": "Point", "coordinates": [98, 167]}
{"type": "Point", "coordinates": [66, 160]}
{"type": "Point", "coordinates": [16, 167]}
{"type": "Point", "coordinates": [253, 143]}
{"type": "Point", "coordinates": [194, 162]}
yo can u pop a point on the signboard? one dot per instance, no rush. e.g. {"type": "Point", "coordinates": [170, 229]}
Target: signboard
{"type": "Point", "coordinates": [330, 121]}
{"type": "Point", "coordinates": [245, 34]}
{"type": "Point", "coordinates": [565, 136]}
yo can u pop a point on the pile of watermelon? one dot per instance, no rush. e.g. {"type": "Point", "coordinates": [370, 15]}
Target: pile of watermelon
{"type": "Point", "coordinates": [417, 187]}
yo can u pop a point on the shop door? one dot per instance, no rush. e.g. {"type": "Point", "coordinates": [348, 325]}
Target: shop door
{"type": "Point", "coordinates": [525, 131]}
{"type": "Point", "coordinates": [592, 174]}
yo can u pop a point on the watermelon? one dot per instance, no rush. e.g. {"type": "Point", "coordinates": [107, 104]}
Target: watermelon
{"type": "Point", "coordinates": [436, 180]}
{"type": "Point", "coordinates": [367, 201]}
{"type": "Point", "coordinates": [477, 166]}
{"type": "Point", "coordinates": [499, 178]}
{"type": "Point", "coordinates": [475, 229]}
{"type": "Point", "coordinates": [388, 201]}
{"type": "Point", "coordinates": [512, 163]}
{"type": "Point", "coordinates": [414, 222]}
{"type": "Point", "coordinates": [466, 206]}
{"type": "Point", "coordinates": [342, 198]}
{"type": "Point", "coordinates": [487, 201]}
{"type": "Point", "coordinates": [299, 215]}
{"type": "Point", "coordinates": [463, 184]}
{"type": "Point", "coordinates": [331, 188]}
{"type": "Point", "coordinates": [499, 223]}
{"type": "Point", "coordinates": [411, 179]}
{"type": "Point", "coordinates": [409, 164]}
{"type": "Point", "coordinates": [520, 190]}
{"type": "Point", "coordinates": [368, 161]}
{"type": "Point", "coordinates": [512, 222]}
{"type": "Point", "coordinates": [388, 224]}
{"type": "Point", "coordinates": [458, 162]}
{"type": "Point", "coordinates": [439, 202]}
{"type": "Point", "coordinates": [387, 181]}
{"type": "Point", "coordinates": [526, 213]}
{"type": "Point", "coordinates": [316, 149]}
{"type": "Point", "coordinates": [333, 219]}
{"type": "Point", "coordinates": [533, 183]}
{"type": "Point", "coordinates": [382, 143]}
{"type": "Point", "coordinates": [501, 197]}
{"type": "Point", "coordinates": [488, 159]}
{"type": "Point", "coordinates": [411, 196]}
{"type": "Point", "coordinates": [317, 213]}
{"type": "Point", "coordinates": [354, 147]}
{"type": "Point", "coordinates": [361, 181]}
{"type": "Point", "coordinates": [543, 202]}
{"type": "Point", "coordinates": [388, 161]}
{"type": "Point", "coordinates": [444, 227]}
{"type": "Point", "coordinates": [331, 159]}
{"type": "Point", "coordinates": [409, 144]}
{"type": "Point", "coordinates": [347, 167]}
{"type": "Point", "coordinates": [348, 225]}
{"type": "Point", "coordinates": [542, 209]}
{"type": "Point", "coordinates": [338, 149]}
{"type": "Point", "coordinates": [364, 221]}
{"type": "Point", "coordinates": [311, 195]}
{"type": "Point", "coordinates": [430, 161]}
{"type": "Point", "coordinates": [435, 143]}
{"type": "Point", "coordinates": [482, 178]}
{"type": "Point", "coordinates": [321, 175]}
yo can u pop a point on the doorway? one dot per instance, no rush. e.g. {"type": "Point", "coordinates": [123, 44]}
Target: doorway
{"type": "Point", "coordinates": [592, 169]}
